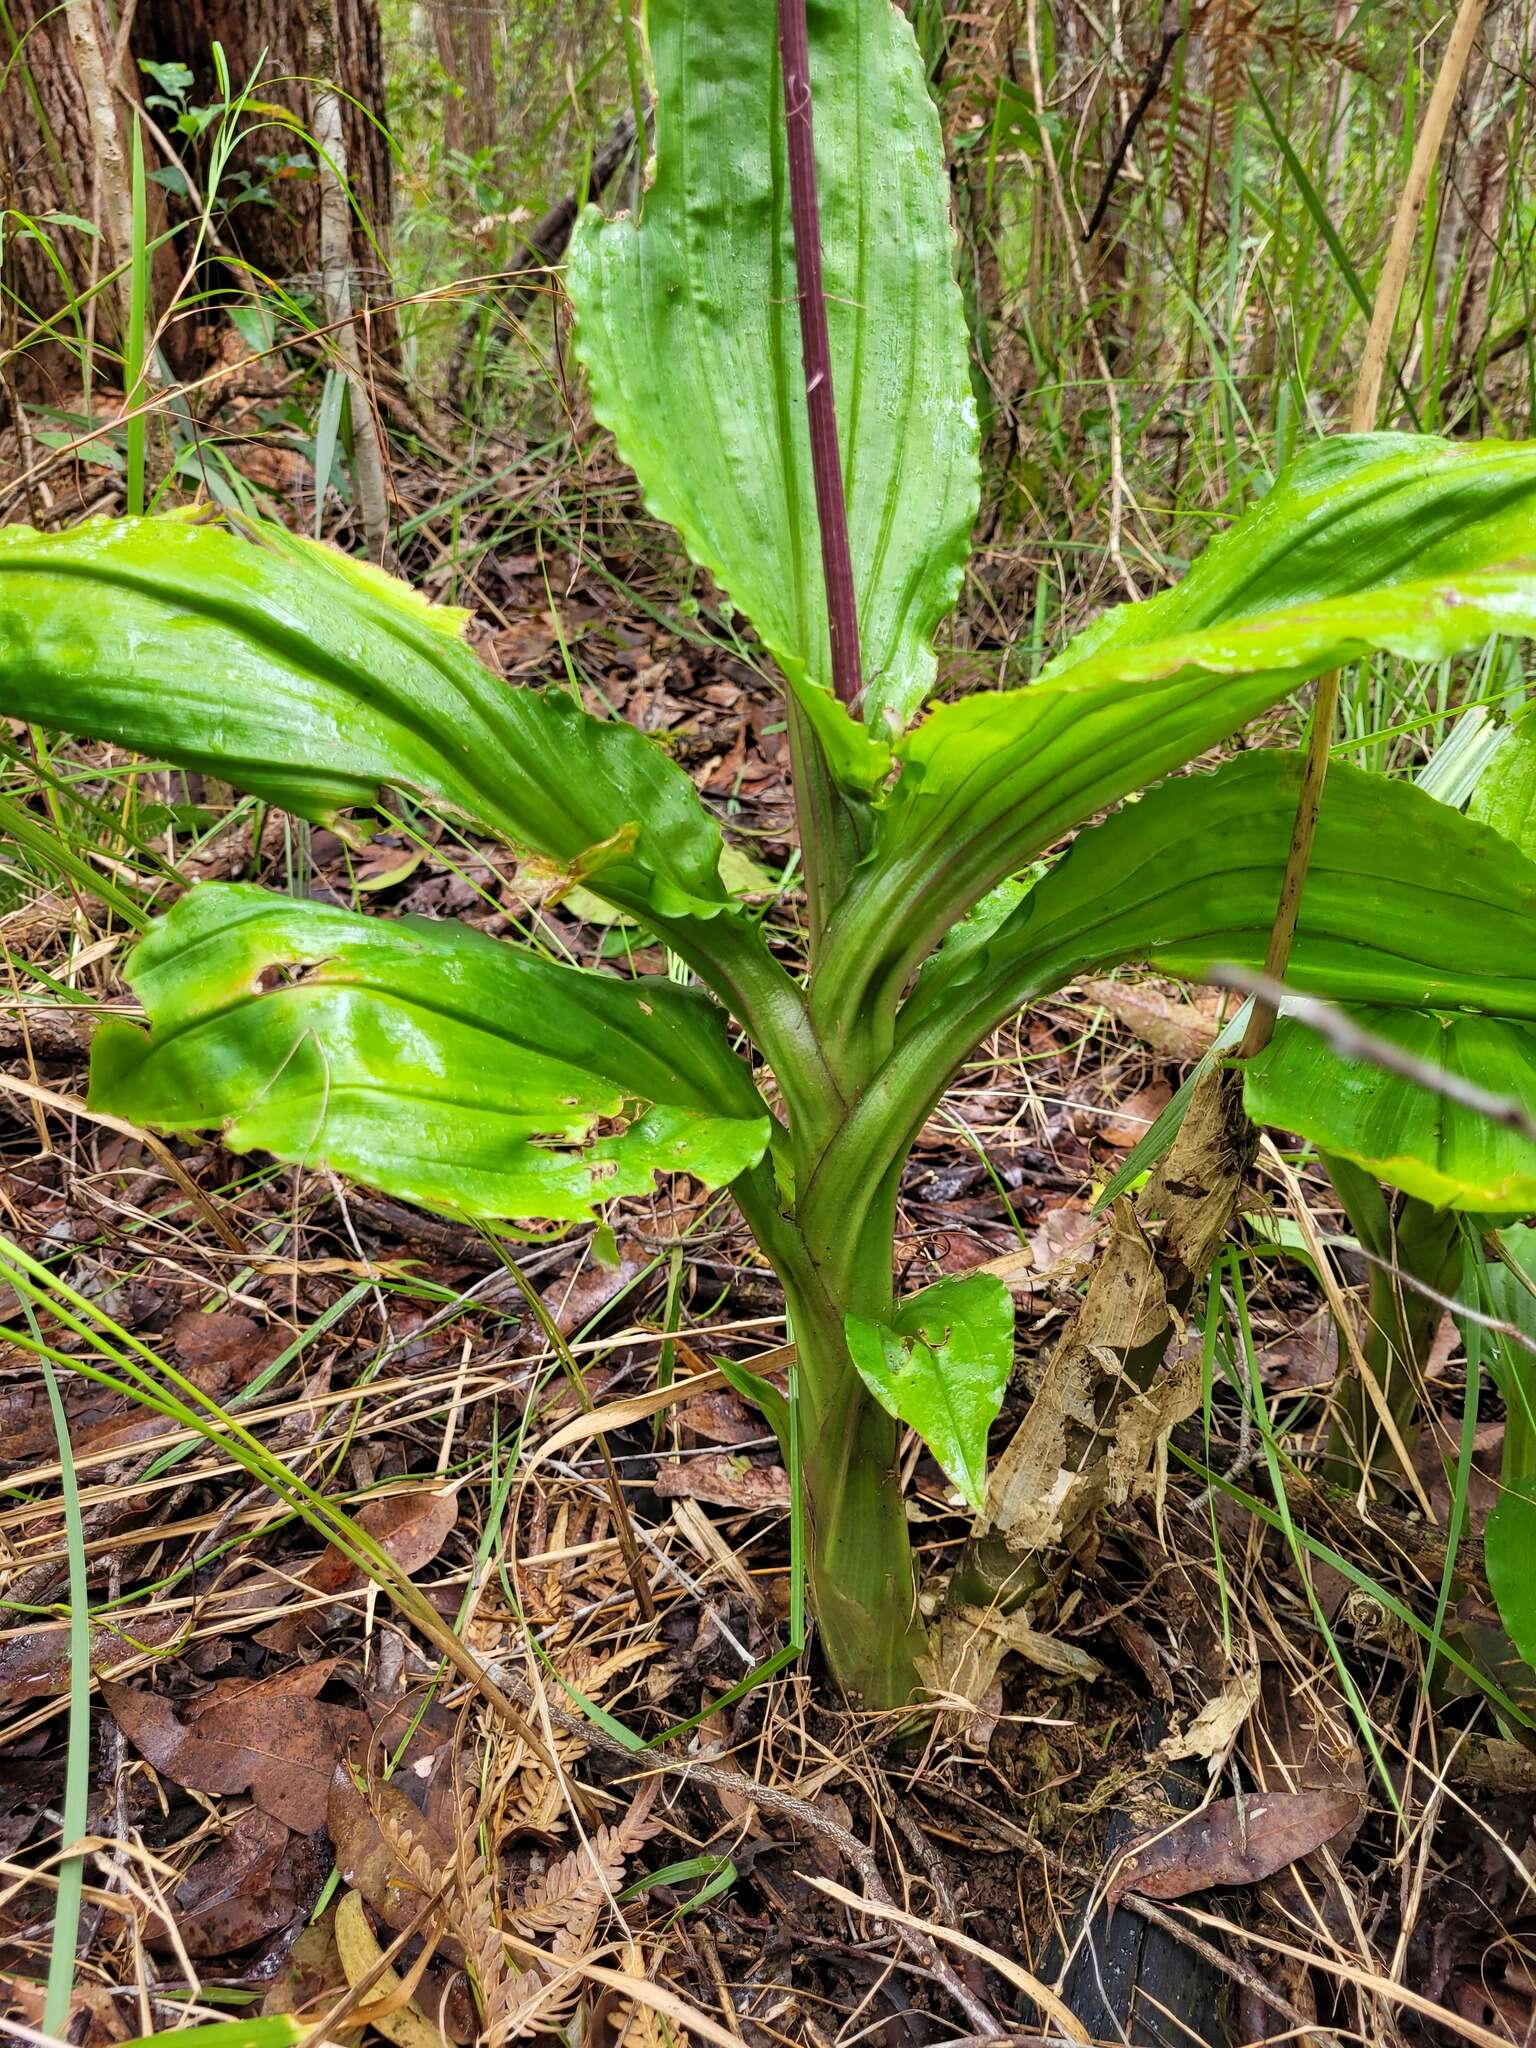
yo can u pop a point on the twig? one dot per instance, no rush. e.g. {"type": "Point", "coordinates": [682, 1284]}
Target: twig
{"type": "Point", "coordinates": [1169, 38]}
{"type": "Point", "coordinates": [816, 353]}
{"type": "Point", "coordinates": [1362, 419]}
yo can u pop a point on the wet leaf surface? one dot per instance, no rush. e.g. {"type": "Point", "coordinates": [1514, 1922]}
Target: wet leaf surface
{"type": "Point", "coordinates": [259, 1878]}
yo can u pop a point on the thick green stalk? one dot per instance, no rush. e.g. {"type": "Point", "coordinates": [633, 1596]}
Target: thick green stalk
{"type": "Point", "coordinates": [862, 1577]}
{"type": "Point", "coordinates": [863, 1582]}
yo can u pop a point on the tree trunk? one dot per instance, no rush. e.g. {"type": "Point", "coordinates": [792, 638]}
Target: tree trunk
{"type": "Point", "coordinates": [51, 162]}
{"type": "Point", "coordinates": [462, 32]}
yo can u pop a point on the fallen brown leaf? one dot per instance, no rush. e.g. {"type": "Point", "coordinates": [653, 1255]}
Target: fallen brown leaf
{"type": "Point", "coordinates": [1134, 1117]}
{"type": "Point", "coordinates": [278, 1745]}
{"type": "Point", "coordinates": [1159, 1015]}
{"type": "Point", "coordinates": [37, 1664]}
{"type": "Point", "coordinates": [368, 1862]}
{"type": "Point", "coordinates": [412, 1527]}
{"type": "Point", "coordinates": [726, 1482]}
{"type": "Point", "coordinates": [259, 1878]}
{"type": "Point", "coordinates": [1233, 1842]}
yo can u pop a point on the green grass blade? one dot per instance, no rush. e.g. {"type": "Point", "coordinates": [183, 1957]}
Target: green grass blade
{"type": "Point", "coordinates": [66, 1925]}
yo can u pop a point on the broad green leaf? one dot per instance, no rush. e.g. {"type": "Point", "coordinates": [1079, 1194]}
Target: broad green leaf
{"type": "Point", "coordinates": [942, 1366]}
{"type": "Point", "coordinates": [1509, 1549]}
{"type": "Point", "coordinates": [1356, 512]}
{"type": "Point", "coordinates": [687, 325]}
{"type": "Point", "coordinates": [317, 681]}
{"type": "Point", "coordinates": [1505, 796]}
{"type": "Point", "coordinates": [1509, 1284]}
{"type": "Point", "coordinates": [1409, 1136]}
{"type": "Point", "coordinates": [1314, 577]}
{"type": "Point", "coordinates": [424, 1059]}
{"type": "Point", "coordinates": [1406, 902]}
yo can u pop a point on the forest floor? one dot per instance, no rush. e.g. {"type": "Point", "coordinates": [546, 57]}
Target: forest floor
{"type": "Point", "coordinates": [270, 1752]}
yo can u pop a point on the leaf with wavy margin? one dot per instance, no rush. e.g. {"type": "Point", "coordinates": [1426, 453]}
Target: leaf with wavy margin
{"type": "Point", "coordinates": [688, 328]}
{"type": "Point", "coordinates": [1375, 543]}
{"type": "Point", "coordinates": [425, 1059]}
{"type": "Point", "coordinates": [317, 682]}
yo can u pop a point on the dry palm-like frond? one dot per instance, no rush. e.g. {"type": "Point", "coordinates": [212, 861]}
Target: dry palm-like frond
{"type": "Point", "coordinates": [564, 1905]}
{"type": "Point", "coordinates": [410, 1850]}
{"type": "Point", "coordinates": [1225, 29]}
{"type": "Point", "coordinates": [568, 1899]}
{"type": "Point", "coordinates": [479, 1926]}
{"type": "Point", "coordinates": [633, 2023]}
{"type": "Point", "coordinates": [533, 1802]}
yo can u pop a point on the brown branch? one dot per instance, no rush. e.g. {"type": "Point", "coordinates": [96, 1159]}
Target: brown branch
{"type": "Point", "coordinates": [1169, 38]}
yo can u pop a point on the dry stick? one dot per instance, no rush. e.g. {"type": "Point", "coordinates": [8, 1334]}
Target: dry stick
{"type": "Point", "coordinates": [1362, 419]}
{"type": "Point", "coordinates": [1352, 1042]}
{"type": "Point", "coordinates": [816, 353]}
{"type": "Point", "coordinates": [1169, 34]}
{"type": "Point", "coordinates": [1085, 307]}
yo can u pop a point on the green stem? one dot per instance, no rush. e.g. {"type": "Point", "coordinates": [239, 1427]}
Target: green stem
{"type": "Point", "coordinates": [861, 1572]}
{"type": "Point", "coordinates": [862, 1577]}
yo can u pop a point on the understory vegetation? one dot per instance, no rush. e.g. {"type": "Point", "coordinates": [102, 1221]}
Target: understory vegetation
{"type": "Point", "coordinates": [768, 890]}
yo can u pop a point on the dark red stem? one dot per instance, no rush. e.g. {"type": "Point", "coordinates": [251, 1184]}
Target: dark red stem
{"type": "Point", "coordinates": [816, 353]}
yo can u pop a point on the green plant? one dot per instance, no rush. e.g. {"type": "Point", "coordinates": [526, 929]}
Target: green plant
{"type": "Point", "coordinates": [474, 1076]}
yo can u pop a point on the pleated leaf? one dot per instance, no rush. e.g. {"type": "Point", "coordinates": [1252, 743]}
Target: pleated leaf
{"type": "Point", "coordinates": [1355, 512]}
{"type": "Point", "coordinates": [688, 326]}
{"type": "Point", "coordinates": [1379, 543]}
{"type": "Point", "coordinates": [1505, 796]}
{"type": "Point", "coordinates": [424, 1059]}
{"type": "Point", "coordinates": [318, 682]}
{"type": "Point", "coordinates": [1409, 1136]}
{"type": "Point", "coordinates": [1407, 901]}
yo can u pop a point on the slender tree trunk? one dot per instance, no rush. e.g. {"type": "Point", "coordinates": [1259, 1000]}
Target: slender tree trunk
{"type": "Point", "coordinates": [59, 156]}
{"type": "Point", "coordinates": [465, 49]}
{"type": "Point", "coordinates": [336, 278]}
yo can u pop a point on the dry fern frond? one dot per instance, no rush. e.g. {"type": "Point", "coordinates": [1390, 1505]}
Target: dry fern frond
{"type": "Point", "coordinates": [538, 2000]}
{"type": "Point", "coordinates": [532, 1802]}
{"type": "Point", "coordinates": [1226, 31]}
{"type": "Point", "coordinates": [634, 2024]}
{"type": "Point", "coordinates": [477, 1925]}
{"type": "Point", "coordinates": [567, 1900]}
{"type": "Point", "coordinates": [410, 1851]}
